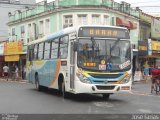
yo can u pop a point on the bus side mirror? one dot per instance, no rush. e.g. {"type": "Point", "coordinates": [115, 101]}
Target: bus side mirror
{"type": "Point", "coordinates": [75, 46]}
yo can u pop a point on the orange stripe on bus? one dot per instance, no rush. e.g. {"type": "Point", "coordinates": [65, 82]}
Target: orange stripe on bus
{"type": "Point", "coordinates": [56, 73]}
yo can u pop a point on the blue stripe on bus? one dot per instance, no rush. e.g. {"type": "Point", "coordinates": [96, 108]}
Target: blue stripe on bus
{"type": "Point", "coordinates": [55, 35]}
{"type": "Point", "coordinates": [46, 72]}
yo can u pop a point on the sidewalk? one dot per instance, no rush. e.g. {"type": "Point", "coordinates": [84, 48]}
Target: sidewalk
{"type": "Point", "coordinates": [142, 87]}
{"type": "Point", "coordinates": [9, 80]}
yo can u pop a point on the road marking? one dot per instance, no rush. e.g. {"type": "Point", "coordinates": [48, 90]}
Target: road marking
{"type": "Point", "coordinates": [103, 104]}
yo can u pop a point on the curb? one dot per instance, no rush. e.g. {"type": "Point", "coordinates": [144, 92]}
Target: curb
{"type": "Point", "coordinates": [20, 81]}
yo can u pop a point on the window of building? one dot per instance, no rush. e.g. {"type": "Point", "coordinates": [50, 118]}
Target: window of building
{"type": "Point", "coordinates": [47, 46]}
{"type": "Point", "coordinates": [96, 19]}
{"type": "Point", "coordinates": [82, 19]}
{"type": "Point", "coordinates": [13, 32]}
{"type": "Point", "coordinates": [29, 31]}
{"type": "Point", "coordinates": [105, 20]}
{"type": "Point", "coordinates": [22, 29]}
{"type": "Point", "coordinates": [112, 20]}
{"type": "Point", "coordinates": [54, 48]}
{"type": "Point", "coordinates": [47, 26]}
{"type": "Point", "coordinates": [63, 47]}
{"type": "Point", "coordinates": [22, 33]}
{"type": "Point", "coordinates": [68, 21]}
{"type": "Point", "coordinates": [35, 52]}
{"type": "Point", "coordinates": [41, 28]}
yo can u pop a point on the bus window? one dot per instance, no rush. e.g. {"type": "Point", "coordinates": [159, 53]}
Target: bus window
{"type": "Point", "coordinates": [40, 51]}
{"type": "Point", "coordinates": [30, 53]}
{"type": "Point", "coordinates": [54, 48]}
{"type": "Point", "coordinates": [63, 47]}
{"type": "Point", "coordinates": [47, 50]}
{"type": "Point", "coordinates": [35, 52]}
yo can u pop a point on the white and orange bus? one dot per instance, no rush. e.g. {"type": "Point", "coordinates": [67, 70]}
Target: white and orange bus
{"type": "Point", "coordinates": [84, 59]}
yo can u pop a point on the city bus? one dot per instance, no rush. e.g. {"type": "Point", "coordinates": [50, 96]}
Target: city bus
{"type": "Point", "coordinates": [85, 59]}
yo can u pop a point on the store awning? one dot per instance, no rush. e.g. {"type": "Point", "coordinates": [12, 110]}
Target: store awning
{"type": "Point", "coordinates": [122, 22]}
{"type": "Point", "coordinates": [133, 25]}
{"type": "Point", "coordinates": [10, 58]}
{"type": "Point", "coordinates": [150, 56]}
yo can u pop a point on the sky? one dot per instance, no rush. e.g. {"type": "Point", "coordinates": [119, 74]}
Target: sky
{"type": "Point", "coordinates": [147, 6]}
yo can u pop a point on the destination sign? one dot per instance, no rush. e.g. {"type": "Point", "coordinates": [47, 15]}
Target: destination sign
{"type": "Point", "coordinates": [108, 32]}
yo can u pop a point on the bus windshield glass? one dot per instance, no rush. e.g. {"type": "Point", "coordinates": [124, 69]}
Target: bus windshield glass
{"type": "Point", "coordinates": [104, 54]}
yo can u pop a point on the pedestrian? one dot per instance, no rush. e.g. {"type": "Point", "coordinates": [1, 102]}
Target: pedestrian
{"type": "Point", "coordinates": [146, 73]}
{"type": "Point", "coordinates": [13, 69]}
{"type": "Point", "coordinates": [155, 77]}
{"type": "Point", "coordinates": [24, 72]}
{"type": "Point", "coordinates": [16, 72]}
{"type": "Point", "coordinates": [6, 71]}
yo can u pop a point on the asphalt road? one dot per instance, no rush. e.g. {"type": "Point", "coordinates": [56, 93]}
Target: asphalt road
{"type": "Point", "coordinates": [23, 98]}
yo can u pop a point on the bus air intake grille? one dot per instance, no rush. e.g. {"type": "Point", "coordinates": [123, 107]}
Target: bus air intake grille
{"type": "Point", "coordinates": [105, 87]}
{"type": "Point", "coordinates": [106, 76]}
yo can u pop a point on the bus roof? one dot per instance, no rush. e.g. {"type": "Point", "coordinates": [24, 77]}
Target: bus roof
{"type": "Point", "coordinates": [67, 31]}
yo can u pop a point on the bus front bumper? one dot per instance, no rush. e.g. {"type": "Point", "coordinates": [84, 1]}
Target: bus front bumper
{"type": "Point", "coordinates": [101, 88]}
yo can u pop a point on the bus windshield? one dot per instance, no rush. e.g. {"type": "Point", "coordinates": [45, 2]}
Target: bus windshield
{"type": "Point", "coordinates": [104, 54]}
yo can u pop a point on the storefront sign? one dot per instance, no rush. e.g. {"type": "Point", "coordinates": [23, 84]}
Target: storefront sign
{"type": "Point", "coordinates": [13, 48]}
{"type": "Point", "coordinates": [155, 29]}
{"type": "Point", "coordinates": [9, 58]}
{"type": "Point", "coordinates": [155, 45]}
{"type": "Point", "coordinates": [142, 48]}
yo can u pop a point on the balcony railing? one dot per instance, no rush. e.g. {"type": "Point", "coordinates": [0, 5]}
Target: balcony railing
{"type": "Point", "coordinates": [69, 3]}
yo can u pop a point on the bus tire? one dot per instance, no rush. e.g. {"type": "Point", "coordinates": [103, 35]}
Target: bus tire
{"type": "Point", "coordinates": [106, 96]}
{"type": "Point", "coordinates": [38, 87]}
{"type": "Point", "coordinates": [64, 93]}
{"type": "Point", "coordinates": [61, 85]}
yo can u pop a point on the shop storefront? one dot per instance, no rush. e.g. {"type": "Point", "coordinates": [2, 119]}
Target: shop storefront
{"type": "Point", "coordinates": [1, 58]}
{"type": "Point", "coordinates": [142, 54]}
{"type": "Point", "coordinates": [149, 56]}
{"type": "Point", "coordinates": [155, 52]}
{"type": "Point", "coordinates": [13, 53]}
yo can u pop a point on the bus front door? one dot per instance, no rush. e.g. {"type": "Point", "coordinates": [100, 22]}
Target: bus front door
{"type": "Point", "coordinates": [72, 66]}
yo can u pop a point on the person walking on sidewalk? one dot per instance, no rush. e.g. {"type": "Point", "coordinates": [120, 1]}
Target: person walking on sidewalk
{"type": "Point", "coordinates": [24, 72]}
{"type": "Point", "coordinates": [13, 69]}
{"type": "Point", "coordinates": [6, 71]}
{"type": "Point", "coordinates": [16, 72]}
{"type": "Point", "coordinates": [146, 73]}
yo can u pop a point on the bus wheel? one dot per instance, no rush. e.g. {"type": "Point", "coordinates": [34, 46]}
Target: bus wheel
{"type": "Point", "coordinates": [38, 87]}
{"type": "Point", "coordinates": [106, 96]}
{"type": "Point", "coordinates": [64, 93]}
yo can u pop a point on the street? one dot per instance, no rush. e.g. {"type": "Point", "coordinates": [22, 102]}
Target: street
{"type": "Point", "coordinates": [23, 98]}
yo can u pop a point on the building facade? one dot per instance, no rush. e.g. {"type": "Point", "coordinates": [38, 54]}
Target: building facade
{"type": "Point", "coordinates": [45, 18]}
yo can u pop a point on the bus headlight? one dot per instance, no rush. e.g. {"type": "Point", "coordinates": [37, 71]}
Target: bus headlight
{"type": "Point", "coordinates": [84, 79]}
{"type": "Point", "coordinates": [125, 79]}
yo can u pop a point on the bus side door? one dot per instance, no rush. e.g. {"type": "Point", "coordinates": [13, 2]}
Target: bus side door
{"type": "Point", "coordinates": [72, 60]}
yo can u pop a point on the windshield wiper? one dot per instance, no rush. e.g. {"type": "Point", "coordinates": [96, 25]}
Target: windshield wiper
{"type": "Point", "coordinates": [93, 46]}
{"type": "Point", "coordinates": [112, 48]}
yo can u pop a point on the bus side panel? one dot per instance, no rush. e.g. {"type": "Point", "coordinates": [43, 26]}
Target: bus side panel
{"type": "Point", "coordinates": [48, 71]}
{"type": "Point", "coordinates": [54, 73]}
